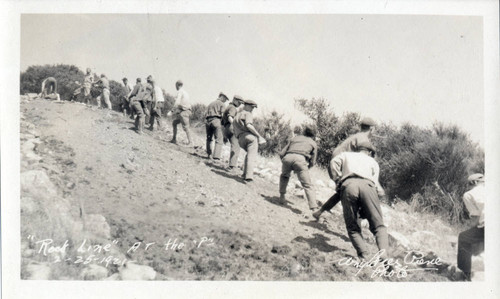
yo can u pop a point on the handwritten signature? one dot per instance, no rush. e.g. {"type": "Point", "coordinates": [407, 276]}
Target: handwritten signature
{"type": "Point", "coordinates": [390, 267]}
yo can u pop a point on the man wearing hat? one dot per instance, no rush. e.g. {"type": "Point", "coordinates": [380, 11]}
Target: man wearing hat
{"type": "Point", "coordinates": [213, 125]}
{"type": "Point", "coordinates": [358, 173]}
{"type": "Point", "coordinates": [299, 156]}
{"type": "Point", "coordinates": [136, 103]}
{"type": "Point", "coordinates": [348, 145]}
{"type": "Point", "coordinates": [181, 112]}
{"type": "Point", "coordinates": [227, 122]}
{"type": "Point", "coordinates": [471, 241]}
{"type": "Point", "coordinates": [248, 137]}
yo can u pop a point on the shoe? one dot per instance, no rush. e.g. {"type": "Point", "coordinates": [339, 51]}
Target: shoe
{"type": "Point", "coordinates": [317, 213]}
{"type": "Point", "coordinates": [282, 200]}
{"type": "Point", "coordinates": [248, 181]}
{"type": "Point", "coordinates": [173, 141]}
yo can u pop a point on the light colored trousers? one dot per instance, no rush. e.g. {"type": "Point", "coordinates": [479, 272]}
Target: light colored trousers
{"type": "Point", "coordinates": [250, 144]}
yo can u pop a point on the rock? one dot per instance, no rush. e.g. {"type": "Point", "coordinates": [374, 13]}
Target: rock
{"type": "Point", "coordinates": [424, 239]}
{"type": "Point", "coordinates": [396, 239]}
{"type": "Point", "coordinates": [96, 225]}
{"type": "Point", "coordinates": [28, 205]}
{"type": "Point", "coordinates": [320, 183]}
{"type": "Point", "coordinates": [132, 271]}
{"type": "Point", "coordinates": [295, 269]}
{"type": "Point", "coordinates": [37, 183]}
{"type": "Point", "coordinates": [477, 276]}
{"type": "Point", "coordinates": [298, 185]}
{"type": "Point", "coordinates": [94, 272]}
{"type": "Point", "coordinates": [281, 249]}
{"type": "Point", "coordinates": [331, 184]}
{"type": "Point", "coordinates": [115, 276]}
{"type": "Point", "coordinates": [38, 271]}
{"type": "Point", "coordinates": [275, 180]}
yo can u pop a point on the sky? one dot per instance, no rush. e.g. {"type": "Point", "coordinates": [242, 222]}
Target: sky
{"type": "Point", "coordinates": [393, 68]}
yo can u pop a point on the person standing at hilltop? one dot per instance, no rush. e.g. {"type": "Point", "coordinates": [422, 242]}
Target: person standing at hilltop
{"type": "Point", "coordinates": [213, 125]}
{"type": "Point", "coordinates": [248, 138]}
{"type": "Point", "coordinates": [348, 145]}
{"type": "Point", "coordinates": [299, 156]}
{"type": "Point", "coordinates": [104, 85]}
{"type": "Point", "coordinates": [137, 107]}
{"type": "Point", "coordinates": [88, 81]}
{"type": "Point", "coordinates": [227, 122]}
{"type": "Point", "coordinates": [471, 241]}
{"type": "Point", "coordinates": [49, 88]}
{"type": "Point", "coordinates": [181, 112]}
{"type": "Point", "coordinates": [358, 174]}
{"type": "Point", "coordinates": [158, 104]}
{"type": "Point", "coordinates": [125, 105]}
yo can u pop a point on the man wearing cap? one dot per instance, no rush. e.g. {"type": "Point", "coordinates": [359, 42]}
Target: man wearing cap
{"type": "Point", "coordinates": [213, 125]}
{"type": "Point", "coordinates": [136, 103]}
{"type": "Point", "coordinates": [104, 84]}
{"type": "Point", "coordinates": [348, 145]}
{"type": "Point", "coordinates": [358, 173]}
{"type": "Point", "coordinates": [248, 137]}
{"type": "Point", "coordinates": [471, 241]}
{"type": "Point", "coordinates": [227, 122]}
{"type": "Point", "coordinates": [299, 156]}
{"type": "Point", "coordinates": [181, 112]}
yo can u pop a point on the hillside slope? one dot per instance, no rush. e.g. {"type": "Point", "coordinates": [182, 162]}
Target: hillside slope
{"type": "Point", "coordinates": [122, 189]}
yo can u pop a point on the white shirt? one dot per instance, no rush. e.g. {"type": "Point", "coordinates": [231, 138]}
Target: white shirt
{"type": "Point", "coordinates": [159, 94]}
{"type": "Point", "coordinates": [182, 101]}
{"type": "Point", "coordinates": [474, 202]}
{"type": "Point", "coordinates": [355, 164]}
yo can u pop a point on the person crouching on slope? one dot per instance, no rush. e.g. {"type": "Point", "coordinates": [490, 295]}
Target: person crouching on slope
{"type": "Point", "coordinates": [300, 155]}
{"type": "Point", "coordinates": [358, 174]}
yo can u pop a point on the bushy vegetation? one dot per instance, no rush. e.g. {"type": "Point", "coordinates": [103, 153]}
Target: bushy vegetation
{"type": "Point", "coordinates": [66, 75]}
{"type": "Point", "coordinates": [426, 167]}
{"type": "Point", "coordinates": [276, 130]}
{"type": "Point", "coordinates": [198, 113]}
{"type": "Point", "coordinates": [332, 130]}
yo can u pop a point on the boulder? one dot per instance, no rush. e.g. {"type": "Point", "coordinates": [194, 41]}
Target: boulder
{"type": "Point", "coordinates": [37, 183]}
{"type": "Point", "coordinates": [132, 271]}
{"type": "Point", "coordinates": [38, 271]}
{"type": "Point", "coordinates": [94, 272]}
{"type": "Point", "coordinates": [331, 184]}
{"type": "Point", "coordinates": [96, 225]}
{"type": "Point", "coordinates": [396, 239]}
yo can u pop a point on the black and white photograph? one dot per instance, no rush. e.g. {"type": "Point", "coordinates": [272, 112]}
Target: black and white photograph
{"type": "Point", "coordinates": [317, 148]}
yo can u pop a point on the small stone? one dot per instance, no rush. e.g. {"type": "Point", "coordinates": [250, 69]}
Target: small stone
{"type": "Point", "coordinates": [132, 271]}
{"type": "Point", "coordinates": [94, 272]}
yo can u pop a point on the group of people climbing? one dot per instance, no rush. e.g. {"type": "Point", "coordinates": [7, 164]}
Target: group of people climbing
{"type": "Point", "coordinates": [353, 167]}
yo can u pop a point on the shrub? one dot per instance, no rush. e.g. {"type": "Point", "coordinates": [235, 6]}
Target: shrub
{"type": "Point", "coordinates": [169, 102]}
{"type": "Point", "coordinates": [332, 130]}
{"type": "Point", "coordinates": [198, 113]}
{"type": "Point", "coordinates": [276, 131]}
{"type": "Point", "coordinates": [66, 75]}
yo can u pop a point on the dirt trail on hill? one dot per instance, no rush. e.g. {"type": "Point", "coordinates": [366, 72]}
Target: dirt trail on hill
{"type": "Point", "coordinates": [150, 190]}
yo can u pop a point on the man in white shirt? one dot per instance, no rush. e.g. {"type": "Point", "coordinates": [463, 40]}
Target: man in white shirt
{"type": "Point", "coordinates": [358, 174]}
{"type": "Point", "coordinates": [181, 112]}
{"type": "Point", "coordinates": [471, 241]}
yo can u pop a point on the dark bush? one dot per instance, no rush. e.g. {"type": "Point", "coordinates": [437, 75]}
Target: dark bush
{"type": "Point", "coordinates": [276, 130]}
{"type": "Point", "coordinates": [66, 75]}
{"type": "Point", "coordinates": [198, 113]}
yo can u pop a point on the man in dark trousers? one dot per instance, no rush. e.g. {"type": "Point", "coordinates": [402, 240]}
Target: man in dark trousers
{"type": "Point", "coordinates": [358, 173]}
{"type": "Point", "coordinates": [471, 241]}
{"type": "Point", "coordinates": [299, 156]}
{"type": "Point", "coordinates": [227, 122]}
{"type": "Point", "coordinates": [137, 105]}
{"type": "Point", "coordinates": [213, 125]}
{"type": "Point", "coordinates": [348, 145]}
